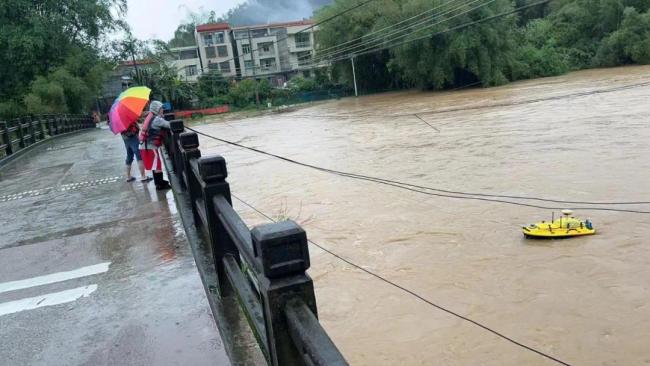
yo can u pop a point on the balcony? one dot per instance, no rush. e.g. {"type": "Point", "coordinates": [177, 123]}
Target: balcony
{"type": "Point", "coordinates": [269, 68]}
{"type": "Point", "coordinates": [266, 49]}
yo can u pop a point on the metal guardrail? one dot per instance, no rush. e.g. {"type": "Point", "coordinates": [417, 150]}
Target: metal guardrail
{"type": "Point", "coordinates": [20, 133]}
{"type": "Point", "coordinates": [264, 268]}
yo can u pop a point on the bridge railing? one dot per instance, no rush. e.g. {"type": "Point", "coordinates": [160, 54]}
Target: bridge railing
{"type": "Point", "coordinates": [265, 268]}
{"type": "Point", "coordinates": [20, 133]}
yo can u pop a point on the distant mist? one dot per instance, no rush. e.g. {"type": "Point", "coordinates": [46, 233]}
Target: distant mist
{"type": "Point", "coordinates": [270, 11]}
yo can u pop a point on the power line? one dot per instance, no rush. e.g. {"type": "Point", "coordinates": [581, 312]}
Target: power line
{"type": "Point", "coordinates": [462, 26]}
{"type": "Point", "coordinates": [431, 191]}
{"type": "Point", "coordinates": [391, 36]}
{"type": "Point", "coordinates": [386, 28]}
{"type": "Point", "coordinates": [416, 295]}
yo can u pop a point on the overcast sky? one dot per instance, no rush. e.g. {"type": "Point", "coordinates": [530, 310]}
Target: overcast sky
{"type": "Point", "coordinates": [159, 19]}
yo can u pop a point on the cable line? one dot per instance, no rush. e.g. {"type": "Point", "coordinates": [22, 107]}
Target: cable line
{"type": "Point", "coordinates": [388, 27]}
{"type": "Point", "coordinates": [431, 191]}
{"type": "Point", "coordinates": [408, 28]}
{"type": "Point", "coordinates": [462, 26]}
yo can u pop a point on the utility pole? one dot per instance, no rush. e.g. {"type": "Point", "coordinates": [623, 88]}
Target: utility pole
{"type": "Point", "coordinates": [250, 45]}
{"type": "Point", "coordinates": [354, 75]}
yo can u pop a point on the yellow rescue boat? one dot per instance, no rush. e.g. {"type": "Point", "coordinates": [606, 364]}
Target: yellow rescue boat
{"type": "Point", "coordinates": [565, 227]}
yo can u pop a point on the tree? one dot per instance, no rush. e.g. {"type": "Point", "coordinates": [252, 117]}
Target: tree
{"type": "Point", "coordinates": [183, 36]}
{"type": "Point", "coordinates": [38, 36]}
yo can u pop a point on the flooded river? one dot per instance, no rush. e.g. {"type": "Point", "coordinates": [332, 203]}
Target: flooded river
{"type": "Point", "coordinates": [580, 137]}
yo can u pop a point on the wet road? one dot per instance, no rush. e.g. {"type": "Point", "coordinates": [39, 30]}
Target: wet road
{"type": "Point", "coordinates": [579, 137]}
{"type": "Point", "coordinates": [95, 271]}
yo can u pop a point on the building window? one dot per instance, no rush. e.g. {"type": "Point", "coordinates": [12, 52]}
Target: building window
{"type": "Point", "coordinates": [267, 64]}
{"type": "Point", "coordinates": [219, 37]}
{"type": "Point", "coordinates": [208, 40]}
{"type": "Point", "coordinates": [213, 66]}
{"type": "Point", "coordinates": [248, 64]}
{"type": "Point", "coordinates": [222, 51]}
{"type": "Point", "coordinates": [210, 52]}
{"type": "Point", "coordinates": [187, 55]}
{"type": "Point", "coordinates": [266, 47]}
{"type": "Point", "coordinates": [246, 49]}
{"type": "Point", "coordinates": [191, 70]}
{"type": "Point", "coordinates": [225, 67]}
{"type": "Point", "coordinates": [303, 40]}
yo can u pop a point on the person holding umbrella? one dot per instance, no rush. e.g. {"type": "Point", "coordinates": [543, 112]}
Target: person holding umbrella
{"type": "Point", "coordinates": [123, 118]}
{"type": "Point", "coordinates": [151, 137]}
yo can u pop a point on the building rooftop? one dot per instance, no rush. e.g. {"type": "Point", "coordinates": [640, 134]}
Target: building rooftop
{"type": "Point", "coordinates": [212, 27]}
{"type": "Point", "coordinates": [306, 22]}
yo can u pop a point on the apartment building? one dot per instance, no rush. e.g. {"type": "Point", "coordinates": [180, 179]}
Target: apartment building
{"type": "Point", "coordinates": [215, 48]}
{"type": "Point", "coordinates": [187, 61]}
{"type": "Point", "coordinates": [275, 51]}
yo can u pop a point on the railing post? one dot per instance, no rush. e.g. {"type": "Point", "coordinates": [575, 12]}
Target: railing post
{"type": "Point", "coordinates": [50, 123]}
{"type": "Point", "coordinates": [213, 173]}
{"type": "Point", "coordinates": [20, 132]}
{"type": "Point", "coordinates": [284, 257]}
{"type": "Point", "coordinates": [41, 129]}
{"type": "Point", "coordinates": [177, 127]}
{"type": "Point", "coordinates": [189, 142]}
{"type": "Point", "coordinates": [30, 129]}
{"type": "Point", "coordinates": [189, 149]}
{"type": "Point", "coordinates": [6, 137]}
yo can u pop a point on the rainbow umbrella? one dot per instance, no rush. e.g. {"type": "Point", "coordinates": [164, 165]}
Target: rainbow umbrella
{"type": "Point", "coordinates": [127, 108]}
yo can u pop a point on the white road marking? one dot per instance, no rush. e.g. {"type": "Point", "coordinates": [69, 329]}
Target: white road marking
{"type": "Point", "coordinates": [54, 277]}
{"type": "Point", "coordinates": [52, 299]}
{"type": "Point", "coordinates": [61, 188]}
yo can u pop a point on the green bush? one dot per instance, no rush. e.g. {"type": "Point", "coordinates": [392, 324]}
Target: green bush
{"type": "Point", "coordinates": [242, 94]}
{"type": "Point", "coordinates": [300, 84]}
{"type": "Point", "coordinates": [11, 109]}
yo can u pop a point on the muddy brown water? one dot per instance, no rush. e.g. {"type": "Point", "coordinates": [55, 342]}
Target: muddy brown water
{"type": "Point", "coordinates": [584, 301]}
